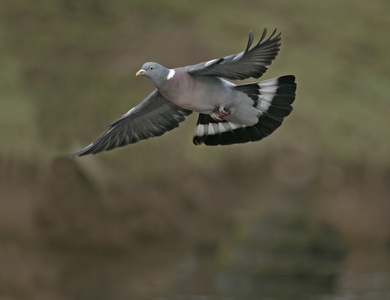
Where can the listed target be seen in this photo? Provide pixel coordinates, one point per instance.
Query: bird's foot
(223, 112)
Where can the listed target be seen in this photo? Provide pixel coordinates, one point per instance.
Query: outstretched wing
(252, 62)
(154, 116)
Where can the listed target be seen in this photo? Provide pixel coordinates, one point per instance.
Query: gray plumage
(228, 113)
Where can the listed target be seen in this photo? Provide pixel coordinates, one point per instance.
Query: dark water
(273, 257)
(77, 244)
(290, 257)
(284, 257)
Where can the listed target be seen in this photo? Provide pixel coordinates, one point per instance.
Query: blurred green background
(304, 214)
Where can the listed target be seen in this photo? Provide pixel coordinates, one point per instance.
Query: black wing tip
(263, 35)
(74, 154)
(250, 40)
(271, 36)
(85, 151)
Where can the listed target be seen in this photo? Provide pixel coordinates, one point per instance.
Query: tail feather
(272, 98)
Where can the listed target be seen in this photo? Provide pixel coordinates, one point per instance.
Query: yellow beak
(140, 72)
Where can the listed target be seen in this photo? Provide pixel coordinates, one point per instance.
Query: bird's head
(156, 72)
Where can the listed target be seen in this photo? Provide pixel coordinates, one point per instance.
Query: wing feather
(154, 116)
(252, 62)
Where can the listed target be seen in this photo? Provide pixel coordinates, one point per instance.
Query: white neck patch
(171, 73)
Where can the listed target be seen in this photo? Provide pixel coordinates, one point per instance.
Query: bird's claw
(223, 112)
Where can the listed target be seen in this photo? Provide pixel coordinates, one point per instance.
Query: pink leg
(216, 117)
(223, 112)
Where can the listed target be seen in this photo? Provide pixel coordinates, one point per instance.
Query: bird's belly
(195, 102)
(196, 95)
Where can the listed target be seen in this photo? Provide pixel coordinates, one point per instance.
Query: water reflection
(283, 257)
(277, 257)
(85, 245)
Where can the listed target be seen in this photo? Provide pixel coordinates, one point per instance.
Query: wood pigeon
(228, 113)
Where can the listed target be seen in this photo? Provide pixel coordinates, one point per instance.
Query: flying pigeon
(228, 113)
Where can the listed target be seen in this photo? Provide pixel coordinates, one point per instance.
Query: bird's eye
(152, 68)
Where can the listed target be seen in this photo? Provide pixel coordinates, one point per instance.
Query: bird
(229, 113)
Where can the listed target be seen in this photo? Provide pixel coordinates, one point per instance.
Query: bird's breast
(195, 93)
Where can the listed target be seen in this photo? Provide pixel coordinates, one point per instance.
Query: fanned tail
(272, 98)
